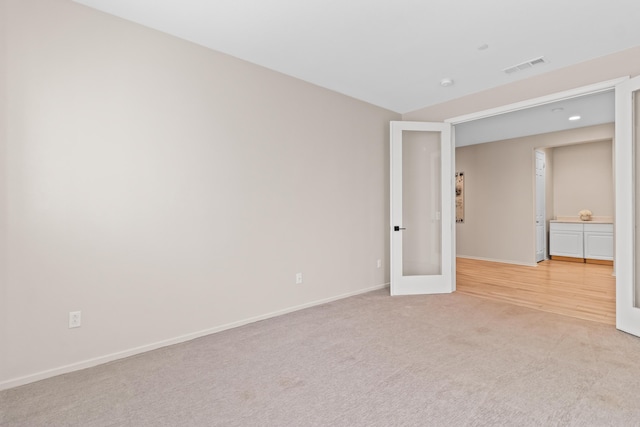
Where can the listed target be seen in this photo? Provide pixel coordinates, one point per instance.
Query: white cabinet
(578, 240)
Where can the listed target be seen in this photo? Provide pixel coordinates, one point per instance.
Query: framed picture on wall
(459, 197)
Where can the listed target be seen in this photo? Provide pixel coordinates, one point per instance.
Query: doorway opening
(502, 225)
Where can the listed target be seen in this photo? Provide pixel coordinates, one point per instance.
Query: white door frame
(624, 196)
(604, 86)
(548, 99)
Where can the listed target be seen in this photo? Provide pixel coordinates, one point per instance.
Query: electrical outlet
(379, 263)
(75, 319)
(298, 278)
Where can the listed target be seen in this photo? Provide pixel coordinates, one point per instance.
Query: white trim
(547, 99)
(88, 363)
(501, 261)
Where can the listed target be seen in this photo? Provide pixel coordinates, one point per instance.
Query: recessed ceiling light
(574, 118)
(557, 110)
(446, 82)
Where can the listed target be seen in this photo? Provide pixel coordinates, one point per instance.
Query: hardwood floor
(585, 291)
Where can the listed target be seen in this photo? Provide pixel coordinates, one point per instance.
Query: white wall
(167, 190)
(583, 179)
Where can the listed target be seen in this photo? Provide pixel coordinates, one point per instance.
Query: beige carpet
(370, 360)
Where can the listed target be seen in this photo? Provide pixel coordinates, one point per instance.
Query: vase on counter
(585, 215)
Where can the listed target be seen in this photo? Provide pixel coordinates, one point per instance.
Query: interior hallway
(584, 291)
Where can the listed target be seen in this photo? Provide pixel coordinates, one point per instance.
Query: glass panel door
(627, 181)
(422, 258)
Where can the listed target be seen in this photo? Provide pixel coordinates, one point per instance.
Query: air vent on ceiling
(525, 65)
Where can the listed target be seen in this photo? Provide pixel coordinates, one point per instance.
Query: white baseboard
(15, 382)
(503, 261)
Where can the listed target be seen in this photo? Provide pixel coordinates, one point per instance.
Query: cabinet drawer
(601, 228)
(565, 226)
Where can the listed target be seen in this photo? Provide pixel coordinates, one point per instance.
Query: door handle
(398, 228)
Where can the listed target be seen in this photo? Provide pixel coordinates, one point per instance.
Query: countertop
(575, 219)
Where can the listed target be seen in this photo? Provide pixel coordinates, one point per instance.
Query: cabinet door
(566, 240)
(598, 241)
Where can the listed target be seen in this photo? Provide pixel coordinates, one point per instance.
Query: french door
(627, 181)
(422, 234)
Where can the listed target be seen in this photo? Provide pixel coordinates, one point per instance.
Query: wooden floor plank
(585, 291)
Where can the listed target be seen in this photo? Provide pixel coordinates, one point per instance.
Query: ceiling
(394, 54)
